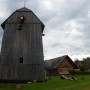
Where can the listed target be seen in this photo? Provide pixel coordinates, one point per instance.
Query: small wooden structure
(60, 65)
(78, 63)
(22, 50)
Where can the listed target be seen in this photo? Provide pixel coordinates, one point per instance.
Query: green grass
(53, 84)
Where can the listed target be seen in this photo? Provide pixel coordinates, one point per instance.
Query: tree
(86, 62)
(82, 69)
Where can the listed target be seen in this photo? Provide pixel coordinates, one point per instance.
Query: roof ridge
(23, 9)
(57, 57)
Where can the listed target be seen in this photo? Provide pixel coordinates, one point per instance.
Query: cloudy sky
(67, 25)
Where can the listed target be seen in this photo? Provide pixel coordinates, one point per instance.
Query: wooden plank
(25, 43)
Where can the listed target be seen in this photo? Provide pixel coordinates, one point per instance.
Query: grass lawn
(53, 84)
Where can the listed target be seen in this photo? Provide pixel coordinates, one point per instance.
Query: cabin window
(21, 59)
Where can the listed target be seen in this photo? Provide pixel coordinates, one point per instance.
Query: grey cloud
(57, 41)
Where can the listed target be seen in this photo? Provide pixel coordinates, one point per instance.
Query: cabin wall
(64, 66)
(51, 72)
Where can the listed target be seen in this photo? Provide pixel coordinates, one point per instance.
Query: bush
(78, 72)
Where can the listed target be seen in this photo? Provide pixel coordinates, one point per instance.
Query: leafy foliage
(82, 68)
(86, 59)
(86, 62)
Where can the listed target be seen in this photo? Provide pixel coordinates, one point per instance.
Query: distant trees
(86, 62)
(82, 70)
(86, 59)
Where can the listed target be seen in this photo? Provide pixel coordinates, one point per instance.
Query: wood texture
(62, 65)
(26, 44)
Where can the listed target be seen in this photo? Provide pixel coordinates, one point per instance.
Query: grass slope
(53, 84)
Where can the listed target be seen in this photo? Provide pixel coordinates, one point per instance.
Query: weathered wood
(25, 45)
(60, 65)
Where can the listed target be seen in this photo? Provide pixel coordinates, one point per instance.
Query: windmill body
(22, 50)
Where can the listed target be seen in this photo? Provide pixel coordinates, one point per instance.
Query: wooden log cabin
(59, 66)
(22, 57)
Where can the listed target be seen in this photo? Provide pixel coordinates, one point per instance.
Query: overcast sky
(67, 25)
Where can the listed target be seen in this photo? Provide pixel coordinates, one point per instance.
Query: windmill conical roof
(24, 9)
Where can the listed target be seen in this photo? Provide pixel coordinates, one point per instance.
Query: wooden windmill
(22, 50)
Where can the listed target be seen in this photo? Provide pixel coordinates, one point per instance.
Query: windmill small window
(20, 27)
(21, 60)
(21, 21)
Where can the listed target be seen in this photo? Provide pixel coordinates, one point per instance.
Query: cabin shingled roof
(52, 63)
